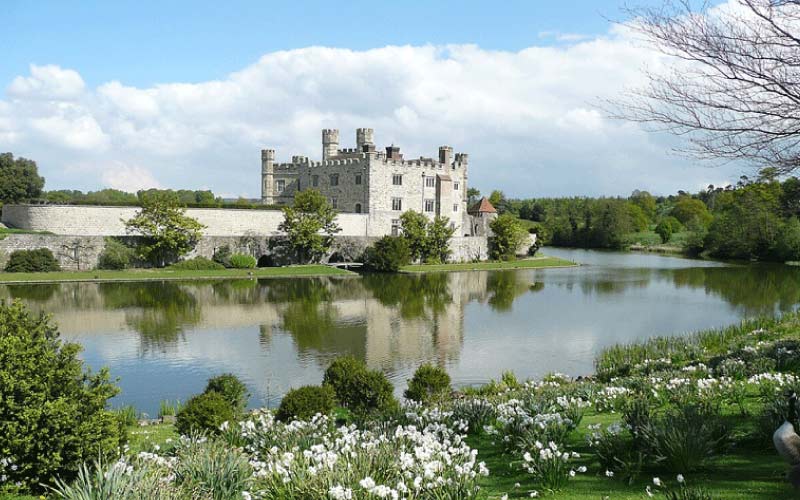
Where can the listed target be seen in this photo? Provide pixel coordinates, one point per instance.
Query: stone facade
(363, 180)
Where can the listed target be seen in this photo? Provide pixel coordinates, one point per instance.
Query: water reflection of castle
(389, 321)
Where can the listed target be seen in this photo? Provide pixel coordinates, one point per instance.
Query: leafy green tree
(388, 255)
(664, 230)
(645, 201)
(639, 220)
(19, 179)
(167, 233)
(438, 241)
(498, 200)
(688, 208)
(310, 225)
(53, 414)
(415, 231)
(509, 235)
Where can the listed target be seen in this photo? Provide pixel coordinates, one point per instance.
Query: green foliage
(473, 195)
(128, 416)
(358, 388)
(204, 413)
(231, 388)
(310, 225)
(222, 255)
(212, 470)
(429, 383)
(242, 261)
(197, 264)
(53, 413)
(305, 402)
(415, 232)
(645, 201)
(19, 179)
(116, 255)
(40, 260)
(664, 231)
(165, 231)
(498, 199)
(509, 235)
(388, 254)
(438, 241)
(168, 408)
(687, 209)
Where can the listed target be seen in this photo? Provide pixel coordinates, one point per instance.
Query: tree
(498, 200)
(167, 232)
(509, 235)
(438, 242)
(19, 179)
(664, 230)
(415, 231)
(53, 413)
(310, 225)
(473, 195)
(645, 201)
(388, 254)
(734, 89)
(687, 209)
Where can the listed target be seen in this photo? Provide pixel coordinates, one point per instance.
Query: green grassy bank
(172, 274)
(531, 263)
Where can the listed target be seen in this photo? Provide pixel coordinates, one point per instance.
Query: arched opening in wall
(358, 208)
(266, 261)
(336, 258)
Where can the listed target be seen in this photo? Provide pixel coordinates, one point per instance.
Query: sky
(184, 94)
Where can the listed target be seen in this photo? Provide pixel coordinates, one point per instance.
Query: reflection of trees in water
(160, 312)
(616, 283)
(758, 289)
(35, 293)
(412, 295)
(503, 288)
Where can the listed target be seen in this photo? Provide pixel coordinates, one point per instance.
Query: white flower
(367, 483)
(657, 481)
(680, 478)
(609, 473)
(649, 492)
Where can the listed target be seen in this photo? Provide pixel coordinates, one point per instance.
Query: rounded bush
(197, 264)
(305, 402)
(204, 413)
(115, 255)
(357, 387)
(388, 255)
(40, 260)
(231, 388)
(428, 383)
(53, 413)
(242, 261)
(222, 255)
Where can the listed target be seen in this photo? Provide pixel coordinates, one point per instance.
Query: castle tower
(267, 172)
(364, 137)
(445, 154)
(330, 143)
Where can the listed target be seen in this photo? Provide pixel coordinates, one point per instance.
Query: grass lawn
(531, 263)
(172, 274)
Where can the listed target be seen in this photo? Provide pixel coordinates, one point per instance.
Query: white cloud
(526, 118)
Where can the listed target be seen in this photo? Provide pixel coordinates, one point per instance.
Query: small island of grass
(529, 263)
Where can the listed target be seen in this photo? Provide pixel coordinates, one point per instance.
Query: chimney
(363, 138)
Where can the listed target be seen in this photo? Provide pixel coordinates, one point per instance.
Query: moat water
(164, 339)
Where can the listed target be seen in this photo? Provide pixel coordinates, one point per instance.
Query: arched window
(358, 208)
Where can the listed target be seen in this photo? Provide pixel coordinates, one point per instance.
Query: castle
(380, 183)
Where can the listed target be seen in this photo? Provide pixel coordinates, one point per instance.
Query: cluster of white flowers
(773, 379)
(399, 462)
(606, 398)
(7, 465)
(648, 363)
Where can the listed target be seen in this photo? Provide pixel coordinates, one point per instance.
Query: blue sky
(185, 94)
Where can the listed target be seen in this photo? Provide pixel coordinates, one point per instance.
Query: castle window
(455, 186)
(429, 205)
(397, 179)
(358, 208)
(430, 182)
(280, 185)
(455, 207)
(395, 227)
(358, 179)
(315, 180)
(334, 203)
(334, 179)
(397, 204)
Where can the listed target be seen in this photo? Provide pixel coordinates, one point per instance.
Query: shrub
(210, 469)
(204, 413)
(231, 388)
(242, 261)
(664, 230)
(116, 255)
(509, 235)
(197, 264)
(127, 415)
(222, 255)
(40, 260)
(388, 255)
(684, 438)
(305, 402)
(53, 413)
(358, 388)
(429, 383)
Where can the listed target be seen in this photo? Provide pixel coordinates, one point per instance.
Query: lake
(164, 339)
